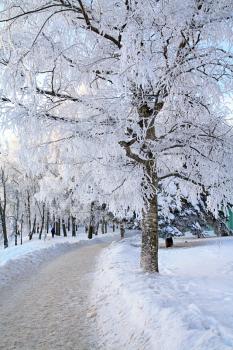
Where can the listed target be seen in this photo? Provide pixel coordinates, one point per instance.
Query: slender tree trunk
(122, 230)
(102, 226)
(4, 231)
(58, 227)
(42, 221)
(29, 212)
(64, 228)
(47, 222)
(21, 230)
(149, 251)
(73, 226)
(68, 224)
(113, 227)
(54, 221)
(4, 228)
(91, 229)
(97, 228)
(33, 229)
(16, 219)
(3, 209)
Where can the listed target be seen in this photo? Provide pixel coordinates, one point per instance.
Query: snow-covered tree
(136, 90)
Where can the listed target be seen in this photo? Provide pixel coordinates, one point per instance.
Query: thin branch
(96, 30)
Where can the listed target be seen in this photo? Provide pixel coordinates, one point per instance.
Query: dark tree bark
(4, 231)
(91, 229)
(47, 221)
(16, 219)
(3, 202)
(58, 227)
(97, 228)
(42, 220)
(64, 228)
(102, 226)
(122, 230)
(21, 230)
(68, 224)
(73, 226)
(29, 212)
(31, 233)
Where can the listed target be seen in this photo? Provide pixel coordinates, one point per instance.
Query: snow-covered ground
(15, 261)
(188, 306)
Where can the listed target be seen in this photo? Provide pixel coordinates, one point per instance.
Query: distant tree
(3, 204)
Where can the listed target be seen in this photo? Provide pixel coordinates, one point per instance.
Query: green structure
(230, 219)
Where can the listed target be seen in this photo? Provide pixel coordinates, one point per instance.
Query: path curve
(51, 310)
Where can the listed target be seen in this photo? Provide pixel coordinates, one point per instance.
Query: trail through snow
(51, 309)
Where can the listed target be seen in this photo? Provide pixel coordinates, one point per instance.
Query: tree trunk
(147, 160)
(5, 238)
(42, 223)
(73, 226)
(16, 219)
(31, 233)
(58, 227)
(122, 230)
(97, 228)
(4, 229)
(3, 209)
(47, 222)
(149, 251)
(54, 222)
(21, 230)
(68, 225)
(29, 212)
(91, 229)
(64, 228)
(113, 227)
(102, 226)
(105, 227)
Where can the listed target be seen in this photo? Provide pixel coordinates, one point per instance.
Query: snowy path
(50, 310)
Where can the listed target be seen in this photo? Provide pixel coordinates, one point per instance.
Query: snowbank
(189, 305)
(18, 261)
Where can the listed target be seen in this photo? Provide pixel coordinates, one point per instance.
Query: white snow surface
(188, 305)
(16, 261)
